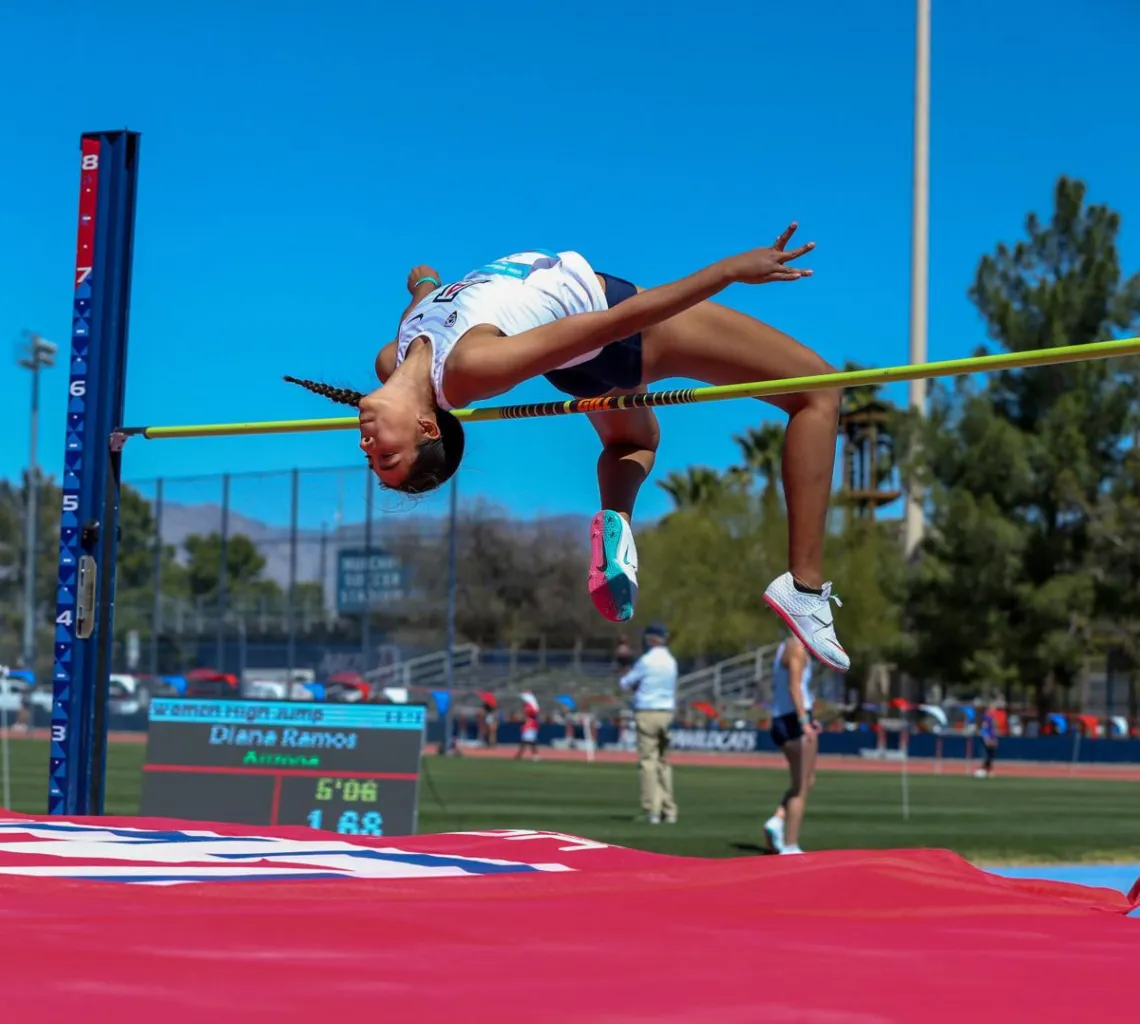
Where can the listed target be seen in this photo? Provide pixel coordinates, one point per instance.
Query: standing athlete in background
(989, 736)
(795, 732)
(550, 314)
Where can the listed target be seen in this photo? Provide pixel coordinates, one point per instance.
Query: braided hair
(342, 396)
(437, 458)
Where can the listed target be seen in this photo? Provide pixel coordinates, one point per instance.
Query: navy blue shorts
(787, 728)
(618, 365)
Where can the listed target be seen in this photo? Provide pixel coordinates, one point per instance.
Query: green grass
(989, 821)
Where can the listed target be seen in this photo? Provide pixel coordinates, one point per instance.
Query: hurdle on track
(95, 440)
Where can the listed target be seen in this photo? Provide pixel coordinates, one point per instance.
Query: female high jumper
(796, 733)
(550, 314)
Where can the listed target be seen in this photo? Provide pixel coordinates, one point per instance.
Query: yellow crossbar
(689, 396)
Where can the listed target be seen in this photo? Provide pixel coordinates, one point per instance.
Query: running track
(827, 762)
(842, 763)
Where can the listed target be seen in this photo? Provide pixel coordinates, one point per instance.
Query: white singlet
(781, 690)
(514, 294)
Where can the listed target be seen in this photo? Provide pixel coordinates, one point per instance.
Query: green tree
(703, 570)
(518, 581)
(1006, 587)
(309, 598)
(698, 485)
(763, 449)
(135, 566)
(13, 552)
(866, 562)
(244, 565)
(11, 570)
(1114, 529)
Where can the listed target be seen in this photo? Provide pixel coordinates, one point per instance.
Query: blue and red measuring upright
(76, 439)
(89, 504)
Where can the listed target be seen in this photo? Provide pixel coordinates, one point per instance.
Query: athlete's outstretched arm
(422, 281)
(488, 366)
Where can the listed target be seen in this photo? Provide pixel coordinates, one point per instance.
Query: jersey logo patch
(448, 292)
(451, 318)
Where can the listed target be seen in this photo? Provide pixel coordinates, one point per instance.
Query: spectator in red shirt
(528, 740)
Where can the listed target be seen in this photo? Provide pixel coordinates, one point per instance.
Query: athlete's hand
(760, 266)
(417, 274)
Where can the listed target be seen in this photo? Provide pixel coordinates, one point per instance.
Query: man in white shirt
(653, 682)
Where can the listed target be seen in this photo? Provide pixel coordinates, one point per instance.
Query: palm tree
(738, 479)
(862, 397)
(762, 448)
(696, 486)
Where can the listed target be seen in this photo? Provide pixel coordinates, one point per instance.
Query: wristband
(424, 280)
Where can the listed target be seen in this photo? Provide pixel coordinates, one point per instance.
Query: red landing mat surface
(114, 919)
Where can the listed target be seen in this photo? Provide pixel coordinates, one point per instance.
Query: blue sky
(296, 164)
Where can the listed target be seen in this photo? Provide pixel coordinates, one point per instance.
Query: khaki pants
(656, 773)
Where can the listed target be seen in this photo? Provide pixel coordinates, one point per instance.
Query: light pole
(920, 245)
(34, 354)
(453, 522)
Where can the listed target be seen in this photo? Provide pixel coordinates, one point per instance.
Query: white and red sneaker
(809, 617)
(613, 566)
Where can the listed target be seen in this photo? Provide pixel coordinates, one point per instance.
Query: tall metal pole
(223, 577)
(323, 570)
(31, 524)
(453, 520)
(920, 245)
(89, 503)
(5, 752)
(39, 353)
(366, 615)
(156, 581)
(291, 598)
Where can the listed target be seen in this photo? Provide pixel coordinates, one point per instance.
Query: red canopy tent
(209, 682)
(351, 681)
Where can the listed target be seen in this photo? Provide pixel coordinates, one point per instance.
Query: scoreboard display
(349, 768)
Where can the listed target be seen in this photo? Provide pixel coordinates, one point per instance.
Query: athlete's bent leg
(796, 796)
(629, 441)
(717, 345)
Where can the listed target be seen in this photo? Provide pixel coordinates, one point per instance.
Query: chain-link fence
(323, 572)
(277, 585)
(285, 571)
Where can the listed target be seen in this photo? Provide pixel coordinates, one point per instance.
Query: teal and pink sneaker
(613, 566)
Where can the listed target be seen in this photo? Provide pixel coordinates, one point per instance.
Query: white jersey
(514, 294)
(781, 689)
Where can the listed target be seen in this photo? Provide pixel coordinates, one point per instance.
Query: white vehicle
(124, 695)
(11, 698)
(263, 689)
(275, 689)
(41, 697)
